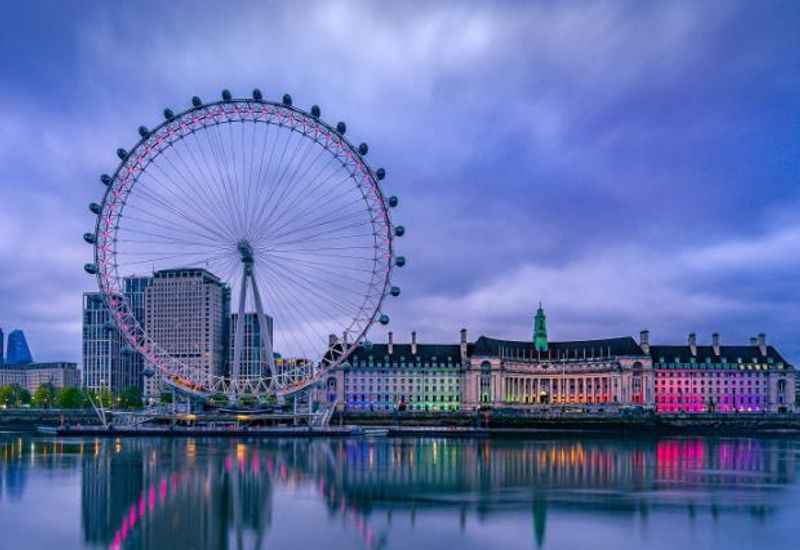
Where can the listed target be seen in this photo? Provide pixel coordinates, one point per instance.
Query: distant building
(717, 378)
(251, 362)
(109, 361)
(18, 351)
(102, 347)
(31, 376)
(186, 316)
(132, 361)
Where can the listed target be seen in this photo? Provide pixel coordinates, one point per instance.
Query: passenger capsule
(380, 173)
(91, 269)
(363, 149)
(315, 111)
(287, 100)
(95, 208)
(168, 114)
(226, 95)
(367, 345)
(197, 102)
(257, 95)
(148, 372)
(393, 201)
(122, 153)
(383, 319)
(395, 291)
(143, 131)
(341, 128)
(90, 238)
(399, 231)
(106, 179)
(400, 261)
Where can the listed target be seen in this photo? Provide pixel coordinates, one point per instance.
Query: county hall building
(603, 374)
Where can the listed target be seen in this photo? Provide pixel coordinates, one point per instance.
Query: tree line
(48, 396)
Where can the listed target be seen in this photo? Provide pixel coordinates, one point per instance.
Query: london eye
(279, 207)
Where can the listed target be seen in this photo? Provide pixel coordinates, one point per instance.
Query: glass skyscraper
(18, 351)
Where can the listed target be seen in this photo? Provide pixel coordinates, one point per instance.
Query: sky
(630, 164)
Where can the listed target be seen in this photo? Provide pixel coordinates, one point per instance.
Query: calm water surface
(670, 493)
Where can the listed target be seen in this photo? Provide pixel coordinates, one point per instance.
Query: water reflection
(196, 493)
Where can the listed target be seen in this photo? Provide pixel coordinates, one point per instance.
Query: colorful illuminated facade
(595, 375)
(716, 378)
(390, 377)
(507, 373)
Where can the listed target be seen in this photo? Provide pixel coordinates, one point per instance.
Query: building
(389, 377)
(251, 364)
(2, 349)
(18, 351)
(601, 374)
(186, 316)
(716, 378)
(31, 376)
(133, 362)
(109, 362)
(102, 347)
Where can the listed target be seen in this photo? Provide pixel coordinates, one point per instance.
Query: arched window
(486, 382)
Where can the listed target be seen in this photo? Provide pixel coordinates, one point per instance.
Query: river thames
(654, 493)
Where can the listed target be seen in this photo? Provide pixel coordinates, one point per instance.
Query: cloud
(630, 164)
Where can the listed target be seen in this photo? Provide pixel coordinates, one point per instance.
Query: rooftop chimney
(715, 343)
(413, 342)
(463, 344)
(331, 340)
(391, 343)
(644, 341)
(693, 343)
(762, 344)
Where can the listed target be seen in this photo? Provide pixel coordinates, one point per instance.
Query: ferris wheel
(276, 208)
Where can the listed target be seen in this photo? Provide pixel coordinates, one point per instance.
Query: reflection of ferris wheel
(278, 208)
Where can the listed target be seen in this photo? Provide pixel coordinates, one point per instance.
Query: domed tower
(540, 330)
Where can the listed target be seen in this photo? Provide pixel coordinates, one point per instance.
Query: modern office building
(102, 347)
(186, 315)
(31, 376)
(251, 364)
(18, 351)
(109, 362)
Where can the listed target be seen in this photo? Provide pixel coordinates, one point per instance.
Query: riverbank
(462, 424)
(504, 423)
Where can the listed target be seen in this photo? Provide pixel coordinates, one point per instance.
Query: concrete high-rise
(186, 313)
(18, 351)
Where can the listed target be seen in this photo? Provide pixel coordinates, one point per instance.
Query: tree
(45, 396)
(105, 398)
(71, 398)
(23, 396)
(6, 396)
(131, 398)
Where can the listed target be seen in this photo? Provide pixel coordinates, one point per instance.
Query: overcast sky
(631, 165)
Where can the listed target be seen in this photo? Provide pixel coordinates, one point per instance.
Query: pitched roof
(602, 347)
(730, 354)
(425, 352)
